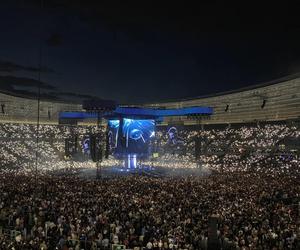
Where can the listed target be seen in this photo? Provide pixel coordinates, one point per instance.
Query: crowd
(255, 210)
(226, 149)
(223, 148)
(18, 146)
(251, 190)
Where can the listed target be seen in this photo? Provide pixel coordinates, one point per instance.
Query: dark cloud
(70, 94)
(27, 87)
(32, 94)
(7, 66)
(14, 82)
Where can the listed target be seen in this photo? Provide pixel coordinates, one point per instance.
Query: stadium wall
(281, 102)
(25, 110)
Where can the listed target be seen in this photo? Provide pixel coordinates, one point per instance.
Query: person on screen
(173, 136)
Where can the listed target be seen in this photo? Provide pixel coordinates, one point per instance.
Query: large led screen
(133, 137)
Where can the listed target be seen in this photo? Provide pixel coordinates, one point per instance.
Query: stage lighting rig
(99, 105)
(198, 117)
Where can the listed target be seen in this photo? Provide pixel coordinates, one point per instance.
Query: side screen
(175, 140)
(113, 130)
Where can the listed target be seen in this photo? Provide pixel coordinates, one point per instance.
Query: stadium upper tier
(272, 101)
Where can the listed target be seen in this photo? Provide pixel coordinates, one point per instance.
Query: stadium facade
(273, 101)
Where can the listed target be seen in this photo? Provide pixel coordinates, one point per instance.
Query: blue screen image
(113, 126)
(132, 138)
(138, 129)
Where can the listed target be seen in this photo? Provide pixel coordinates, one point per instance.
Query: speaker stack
(96, 148)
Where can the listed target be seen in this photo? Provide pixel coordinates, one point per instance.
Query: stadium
(144, 126)
(251, 136)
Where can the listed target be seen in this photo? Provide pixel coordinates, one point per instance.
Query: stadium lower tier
(249, 182)
(225, 149)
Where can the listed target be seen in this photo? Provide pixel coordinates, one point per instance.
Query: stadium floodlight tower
(100, 108)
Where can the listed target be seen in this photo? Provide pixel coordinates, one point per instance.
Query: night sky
(142, 52)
